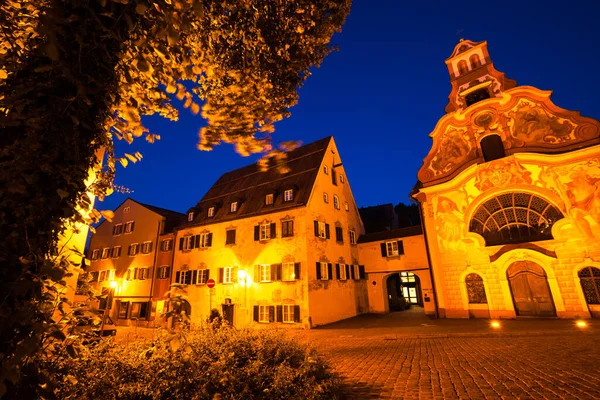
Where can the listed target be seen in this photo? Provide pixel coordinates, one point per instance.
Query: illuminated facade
(132, 255)
(510, 197)
(282, 248)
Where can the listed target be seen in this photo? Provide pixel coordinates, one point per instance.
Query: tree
(408, 215)
(75, 74)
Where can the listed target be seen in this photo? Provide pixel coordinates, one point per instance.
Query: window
(475, 62)
(143, 273)
(146, 247)
(392, 248)
(265, 273)
(341, 178)
(230, 236)
(492, 148)
(123, 307)
(164, 272)
(95, 276)
(288, 195)
(126, 210)
(336, 202)
(289, 271)
(462, 67)
(202, 276)
(204, 240)
(129, 226)
(166, 245)
(185, 277)
(269, 199)
(341, 272)
(324, 271)
(139, 310)
(265, 231)
(477, 96)
(128, 275)
(339, 235)
(190, 216)
(234, 207)
(287, 228)
(325, 170)
(133, 249)
(325, 197)
(188, 243)
(475, 289)
(357, 274)
(105, 252)
(95, 254)
(211, 211)
(346, 206)
(228, 275)
(407, 277)
(116, 252)
(352, 237)
(589, 277)
(117, 229)
(322, 230)
(288, 313)
(102, 276)
(264, 314)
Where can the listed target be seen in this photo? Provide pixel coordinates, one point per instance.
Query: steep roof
(172, 218)
(249, 186)
(393, 234)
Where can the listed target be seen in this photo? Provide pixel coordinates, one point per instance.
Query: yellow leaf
(108, 214)
(3, 74)
(141, 9)
(171, 88)
(123, 162)
(195, 108)
(131, 158)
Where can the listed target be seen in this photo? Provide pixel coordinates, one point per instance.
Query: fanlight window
(590, 284)
(515, 218)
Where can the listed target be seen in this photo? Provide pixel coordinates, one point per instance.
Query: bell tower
(473, 76)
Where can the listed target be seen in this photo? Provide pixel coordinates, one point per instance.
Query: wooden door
(530, 290)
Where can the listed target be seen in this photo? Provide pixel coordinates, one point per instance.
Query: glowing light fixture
(113, 284)
(495, 324)
(581, 323)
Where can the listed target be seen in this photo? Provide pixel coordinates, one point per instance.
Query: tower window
(477, 96)
(475, 61)
(462, 67)
(492, 148)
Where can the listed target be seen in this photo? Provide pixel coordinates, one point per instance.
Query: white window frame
(269, 199)
(146, 246)
(105, 253)
(233, 207)
(203, 240)
(322, 231)
(188, 243)
(162, 272)
(288, 195)
(324, 271)
(325, 170)
(228, 275)
(336, 202)
(183, 277)
(341, 178)
(202, 276)
(264, 272)
(325, 197)
(128, 275)
(102, 276)
(190, 216)
(166, 245)
(288, 271)
(128, 227)
(95, 254)
(264, 314)
(352, 237)
(343, 276)
(211, 211)
(287, 310)
(391, 248)
(356, 271)
(264, 231)
(137, 249)
(113, 252)
(116, 229)
(142, 273)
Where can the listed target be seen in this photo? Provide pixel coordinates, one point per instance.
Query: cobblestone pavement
(509, 367)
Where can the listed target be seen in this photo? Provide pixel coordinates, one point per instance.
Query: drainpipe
(154, 269)
(427, 250)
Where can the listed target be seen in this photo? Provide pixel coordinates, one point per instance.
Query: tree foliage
(75, 74)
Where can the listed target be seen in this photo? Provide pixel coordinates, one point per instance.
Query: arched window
(590, 284)
(514, 218)
(492, 147)
(475, 289)
(462, 67)
(475, 61)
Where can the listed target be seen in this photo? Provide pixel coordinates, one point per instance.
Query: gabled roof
(249, 186)
(393, 234)
(172, 218)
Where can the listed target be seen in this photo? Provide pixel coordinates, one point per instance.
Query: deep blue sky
(381, 95)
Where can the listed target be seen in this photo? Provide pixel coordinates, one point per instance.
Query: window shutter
(347, 271)
(317, 228)
(296, 313)
(132, 226)
(177, 276)
(333, 178)
(318, 270)
(351, 271)
(255, 314)
(256, 232)
(271, 313)
(150, 247)
(273, 272)
(209, 240)
(196, 243)
(329, 271)
(234, 274)
(207, 274)
(220, 275)
(400, 247)
(278, 268)
(180, 244)
(326, 231)
(337, 270)
(135, 273)
(129, 250)
(257, 273)
(339, 234)
(194, 277)
(297, 271)
(279, 314)
(361, 272)
(273, 230)
(383, 250)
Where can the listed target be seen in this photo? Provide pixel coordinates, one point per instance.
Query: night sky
(382, 94)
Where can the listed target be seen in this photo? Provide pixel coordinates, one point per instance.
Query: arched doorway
(530, 291)
(589, 278)
(403, 288)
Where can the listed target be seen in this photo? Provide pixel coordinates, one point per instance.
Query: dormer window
(234, 207)
(211, 212)
(288, 195)
(325, 170)
(462, 67)
(190, 216)
(269, 199)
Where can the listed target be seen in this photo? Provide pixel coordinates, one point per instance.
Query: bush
(203, 364)
(399, 304)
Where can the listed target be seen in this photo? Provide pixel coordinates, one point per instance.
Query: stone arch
(545, 262)
(463, 289)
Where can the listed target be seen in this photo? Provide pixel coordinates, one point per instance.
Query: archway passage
(589, 277)
(530, 291)
(403, 289)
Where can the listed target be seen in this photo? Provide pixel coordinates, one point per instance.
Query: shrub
(399, 304)
(203, 364)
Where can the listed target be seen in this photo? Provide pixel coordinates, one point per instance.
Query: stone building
(510, 198)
